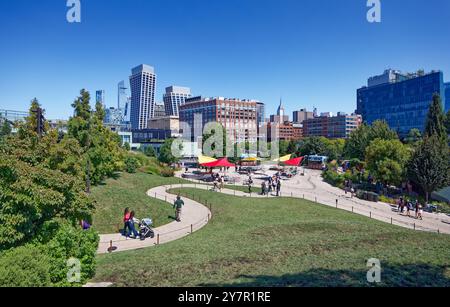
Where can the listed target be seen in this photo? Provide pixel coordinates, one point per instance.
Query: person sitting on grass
(178, 206)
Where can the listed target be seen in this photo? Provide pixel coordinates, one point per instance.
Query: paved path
(312, 187)
(194, 214)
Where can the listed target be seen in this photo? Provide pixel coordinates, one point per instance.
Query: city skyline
(246, 59)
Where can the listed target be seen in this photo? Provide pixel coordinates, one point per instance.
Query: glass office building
(447, 97)
(402, 100)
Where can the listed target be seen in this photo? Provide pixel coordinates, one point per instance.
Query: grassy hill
(129, 190)
(283, 242)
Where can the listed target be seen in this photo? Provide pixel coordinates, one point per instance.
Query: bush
(333, 178)
(167, 172)
(70, 242)
(131, 164)
(25, 266)
(369, 196)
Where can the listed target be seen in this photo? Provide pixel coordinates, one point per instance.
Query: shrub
(131, 164)
(167, 172)
(25, 266)
(70, 242)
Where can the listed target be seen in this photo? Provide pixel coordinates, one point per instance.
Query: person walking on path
(263, 188)
(131, 226)
(250, 183)
(278, 187)
(400, 205)
(126, 219)
(178, 206)
(409, 206)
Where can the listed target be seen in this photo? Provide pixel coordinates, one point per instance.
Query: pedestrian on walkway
(126, 219)
(409, 206)
(400, 205)
(131, 226)
(178, 206)
(263, 188)
(270, 185)
(278, 187)
(250, 183)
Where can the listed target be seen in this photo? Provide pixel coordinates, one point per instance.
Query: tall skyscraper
(260, 113)
(121, 95)
(174, 97)
(143, 85)
(281, 116)
(402, 100)
(100, 97)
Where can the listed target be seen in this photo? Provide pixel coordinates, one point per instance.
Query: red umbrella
(294, 162)
(219, 163)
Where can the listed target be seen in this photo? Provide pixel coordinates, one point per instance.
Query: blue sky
(312, 52)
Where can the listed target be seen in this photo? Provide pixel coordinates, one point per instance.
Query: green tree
(386, 159)
(356, 144)
(435, 123)
(414, 136)
(131, 164)
(32, 195)
(165, 154)
(149, 151)
(5, 129)
(447, 122)
(429, 166)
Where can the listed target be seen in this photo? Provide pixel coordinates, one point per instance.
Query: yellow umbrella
(283, 159)
(204, 159)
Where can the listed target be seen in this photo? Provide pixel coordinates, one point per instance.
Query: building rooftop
(143, 68)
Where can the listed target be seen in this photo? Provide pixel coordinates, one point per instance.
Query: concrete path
(194, 217)
(312, 187)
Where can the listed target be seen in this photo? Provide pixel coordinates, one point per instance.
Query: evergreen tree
(429, 166)
(435, 124)
(5, 129)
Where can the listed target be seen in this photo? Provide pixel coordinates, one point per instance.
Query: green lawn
(283, 242)
(129, 190)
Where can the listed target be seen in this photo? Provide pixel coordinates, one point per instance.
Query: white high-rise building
(174, 97)
(143, 86)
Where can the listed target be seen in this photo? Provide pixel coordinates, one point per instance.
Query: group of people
(273, 184)
(409, 206)
(349, 188)
(129, 220)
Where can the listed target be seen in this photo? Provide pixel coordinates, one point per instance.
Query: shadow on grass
(409, 275)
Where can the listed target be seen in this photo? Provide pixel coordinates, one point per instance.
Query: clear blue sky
(312, 53)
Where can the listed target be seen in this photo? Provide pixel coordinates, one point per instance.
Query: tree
(386, 159)
(165, 154)
(356, 144)
(435, 123)
(380, 130)
(414, 136)
(429, 166)
(33, 195)
(149, 151)
(447, 122)
(311, 146)
(5, 129)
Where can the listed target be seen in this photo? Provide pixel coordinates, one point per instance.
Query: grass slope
(283, 242)
(129, 190)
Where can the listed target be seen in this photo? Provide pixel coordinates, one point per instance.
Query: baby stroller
(145, 230)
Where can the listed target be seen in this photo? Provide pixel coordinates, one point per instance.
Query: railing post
(414, 226)
(336, 203)
(192, 228)
(370, 214)
(157, 239)
(352, 209)
(110, 249)
(392, 221)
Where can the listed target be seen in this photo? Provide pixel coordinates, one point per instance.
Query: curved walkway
(312, 187)
(194, 217)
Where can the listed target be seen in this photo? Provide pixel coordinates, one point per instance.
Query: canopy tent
(294, 162)
(283, 159)
(219, 163)
(250, 159)
(205, 159)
